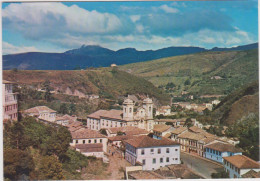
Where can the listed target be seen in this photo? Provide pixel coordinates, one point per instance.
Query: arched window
(130, 110)
(150, 109)
(125, 109)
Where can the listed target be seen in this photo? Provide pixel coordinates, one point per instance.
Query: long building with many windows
(152, 153)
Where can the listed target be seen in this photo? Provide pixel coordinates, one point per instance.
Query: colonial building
(127, 130)
(10, 106)
(238, 166)
(87, 136)
(173, 122)
(41, 112)
(164, 110)
(142, 118)
(152, 153)
(65, 119)
(217, 150)
(95, 149)
(160, 130)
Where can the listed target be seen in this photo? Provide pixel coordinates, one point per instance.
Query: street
(203, 167)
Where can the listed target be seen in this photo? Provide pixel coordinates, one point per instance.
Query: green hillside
(106, 82)
(234, 67)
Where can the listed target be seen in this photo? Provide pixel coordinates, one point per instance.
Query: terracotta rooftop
(196, 129)
(121, 137)
(223, 147)
(209, 140)
(251, 174)
(39, 109)
(8, 82)
(97, 147)
(168, 135)
(86, 133)
(183, 172)
(66, 117)
(146, 141)
(179, 130)
(242, 162)
(161, 127)
(191, 135)
(128, 130)
(144, 175)
(113, 114)
(167, 120)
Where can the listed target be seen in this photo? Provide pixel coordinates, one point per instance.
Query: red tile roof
(191, 135)
(223, 147)
(161, 127)
(128, 130)
(97, 147)
(179, 130)
(113, 114)
(121, 137)
(242, 162)
(146, 141)
(86, 133)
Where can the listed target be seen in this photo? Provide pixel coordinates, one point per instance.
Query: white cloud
(40, 19)
(11, 49)
(135, 18)
(168, 9)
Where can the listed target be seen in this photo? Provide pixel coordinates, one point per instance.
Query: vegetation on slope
(195, 73)
(107, 82)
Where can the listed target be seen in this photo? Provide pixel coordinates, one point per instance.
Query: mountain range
(97, 56)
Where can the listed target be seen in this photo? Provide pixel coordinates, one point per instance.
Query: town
(144, 141)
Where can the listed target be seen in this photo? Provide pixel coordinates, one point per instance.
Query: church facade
(141, 118)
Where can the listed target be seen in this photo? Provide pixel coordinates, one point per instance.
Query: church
(141, 118)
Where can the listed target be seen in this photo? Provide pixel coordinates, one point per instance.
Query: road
(203, 167)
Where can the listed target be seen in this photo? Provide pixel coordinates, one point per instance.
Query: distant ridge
(97, 56)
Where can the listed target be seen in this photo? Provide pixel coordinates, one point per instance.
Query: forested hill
(96, 56)
(106, 82)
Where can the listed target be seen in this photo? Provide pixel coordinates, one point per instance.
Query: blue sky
(57, 27)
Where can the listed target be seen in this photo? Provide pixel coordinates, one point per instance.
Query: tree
(221, 174)
(187, 82)
(16, 163)
(47, 88)
(64, 108)
(72, 108)
(50, 169)
(188, 122)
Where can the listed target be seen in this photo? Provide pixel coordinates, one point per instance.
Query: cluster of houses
(143, 141)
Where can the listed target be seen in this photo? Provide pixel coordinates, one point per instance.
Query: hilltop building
(10, 105)
(142, 118)
(164, 110)
(42, 113)
(152, 153)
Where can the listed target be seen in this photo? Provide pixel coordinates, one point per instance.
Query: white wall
(92, 141)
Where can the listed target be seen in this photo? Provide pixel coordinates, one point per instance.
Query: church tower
(128, 109)
(148, 106)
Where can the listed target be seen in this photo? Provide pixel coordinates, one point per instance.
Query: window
(167, 159)
(143, 161)
(167, 150)
(213, 151)
(161, 160)
(83, 141)
(89, 141)
(142, 152)
(176, 149)
(154, 160)
(95, 141)
(176, 158)
(159, 151)
(100, 140)
(130, 110)
(151, 150)
(76, 141)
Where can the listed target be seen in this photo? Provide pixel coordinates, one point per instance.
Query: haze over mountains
(96, 56)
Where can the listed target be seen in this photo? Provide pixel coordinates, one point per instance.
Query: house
(164, 110)
(160, 130)
(251, 174)
(95, 149)
(173, 122)
(117, 140)
(176, 132)
(65, 119)
(142, 118)
(217, 150)
(75, 126)
(87, 136)
(10, 105)
(152, 153)
(41, 112)
(127, 130)
(238, 166)
(189, 141)
(215, 102)
(203, 142)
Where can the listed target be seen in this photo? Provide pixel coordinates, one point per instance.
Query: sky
(58, 26)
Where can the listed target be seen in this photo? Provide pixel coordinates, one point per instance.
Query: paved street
(203, 167)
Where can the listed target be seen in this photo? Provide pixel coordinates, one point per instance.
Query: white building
(10, 105)
(152, 153)
(160, 130)
(87, 136)
(95, 149)
(215, 102)
(238, 165)
(217, 150)
(42, 113)
(142, 118)
(65, 119)
(164, 110)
